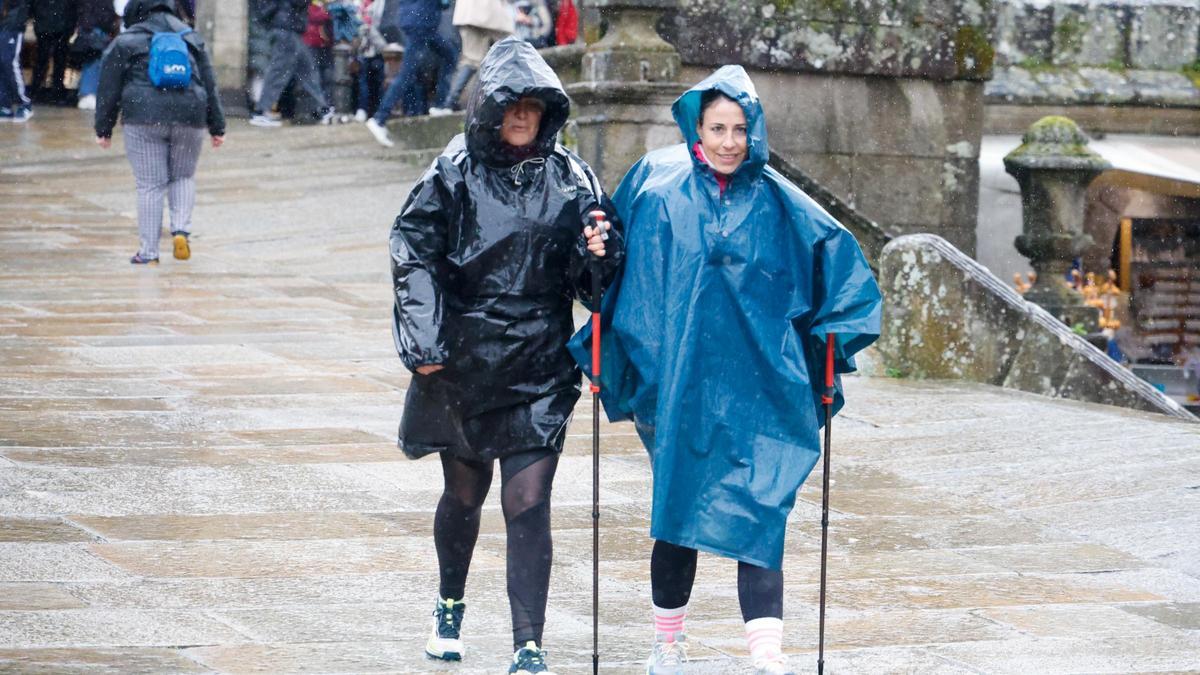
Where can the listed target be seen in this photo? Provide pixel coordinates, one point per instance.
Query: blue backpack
(170, 61)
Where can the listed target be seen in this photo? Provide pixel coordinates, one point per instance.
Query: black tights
(673, 571)
(525, 482)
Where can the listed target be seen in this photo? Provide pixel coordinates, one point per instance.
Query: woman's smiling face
(522, 121)
(723, 135)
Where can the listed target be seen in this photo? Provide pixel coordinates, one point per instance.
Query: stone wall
(225, 26)
(933, 39)
(948, 317)
(1116, 52)
(878, 101)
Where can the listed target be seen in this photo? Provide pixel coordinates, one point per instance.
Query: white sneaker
(445, 636)
(87, 102)
(380, 133)
(266, 121)
(360, 116)
(667, 657)
(440, 112)
(776, 665)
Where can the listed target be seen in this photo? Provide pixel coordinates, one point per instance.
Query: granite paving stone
(199, 470)
(100, 660)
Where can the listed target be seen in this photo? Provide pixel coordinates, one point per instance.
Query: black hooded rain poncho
(487, 256)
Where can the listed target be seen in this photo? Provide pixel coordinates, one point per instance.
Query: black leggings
(673, 571)
(525, 482)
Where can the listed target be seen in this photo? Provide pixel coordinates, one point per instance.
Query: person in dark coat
(15, 105)
(163, 128)
(488, 253)
(290, 58)
(97, 24)
(426, 49)
(53, 24)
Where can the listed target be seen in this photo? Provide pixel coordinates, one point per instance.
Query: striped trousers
(164, 162)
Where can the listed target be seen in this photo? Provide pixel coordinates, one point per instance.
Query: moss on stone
(1068, 34)
(1193, 73)
(973, 52)
(1052, 138)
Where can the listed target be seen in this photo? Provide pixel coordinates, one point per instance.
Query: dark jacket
(487, 255)
(54, 16)
(125, 86)
(96, 14)
(418, 16)
(289, 15)
(14, 14)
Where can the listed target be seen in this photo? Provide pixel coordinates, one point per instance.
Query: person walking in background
(97, 21)
(425, 49)
(371, 44)
(481, 23)
(290, 58)
(164, 122)
(53, 24)
(318, 38)
(15, 105)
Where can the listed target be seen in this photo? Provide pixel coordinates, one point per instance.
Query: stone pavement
(198, 470)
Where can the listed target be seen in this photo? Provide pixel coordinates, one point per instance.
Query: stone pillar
(343, 80)
(225, 26)
(1053, 167)
(623, 103)
(393, 57)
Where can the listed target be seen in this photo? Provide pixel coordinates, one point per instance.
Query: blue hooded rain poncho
(715, 334)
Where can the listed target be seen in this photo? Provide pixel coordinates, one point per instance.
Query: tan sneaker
(183, 250)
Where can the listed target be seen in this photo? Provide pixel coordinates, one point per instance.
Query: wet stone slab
(198, 468)
(100, 660)
(33, 530)
(98, 628)
(37, 596)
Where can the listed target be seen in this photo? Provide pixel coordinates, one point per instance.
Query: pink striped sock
(668, 622)
(765, 638)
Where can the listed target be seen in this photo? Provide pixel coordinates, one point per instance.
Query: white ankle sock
(765, 638)
(669, 621)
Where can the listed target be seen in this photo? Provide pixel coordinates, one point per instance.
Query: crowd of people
(442, 41)
(291, 45)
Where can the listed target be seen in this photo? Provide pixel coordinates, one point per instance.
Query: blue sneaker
(6, 114)
(22, 114)
(529, 660)
(445, 638)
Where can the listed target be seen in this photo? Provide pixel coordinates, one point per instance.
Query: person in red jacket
(318, 38)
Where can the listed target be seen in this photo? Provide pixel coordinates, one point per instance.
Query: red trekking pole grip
(827, 399)
(598, 223)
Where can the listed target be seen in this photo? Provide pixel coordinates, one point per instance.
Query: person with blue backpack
(158, 78)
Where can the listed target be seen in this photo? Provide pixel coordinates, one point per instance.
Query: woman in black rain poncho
(487, 254)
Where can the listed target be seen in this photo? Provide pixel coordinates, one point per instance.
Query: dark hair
(710, 97)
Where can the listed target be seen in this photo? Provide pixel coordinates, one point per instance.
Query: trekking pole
(598, 222)
(826, 399)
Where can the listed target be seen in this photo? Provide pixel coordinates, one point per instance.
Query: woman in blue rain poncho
(733, 278)
(488, 253)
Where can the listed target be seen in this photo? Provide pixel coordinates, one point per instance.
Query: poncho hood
(512, 70)
(734, 83)
(138, 11)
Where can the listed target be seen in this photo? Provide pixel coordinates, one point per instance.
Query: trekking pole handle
(599, 222)
(827, 399)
